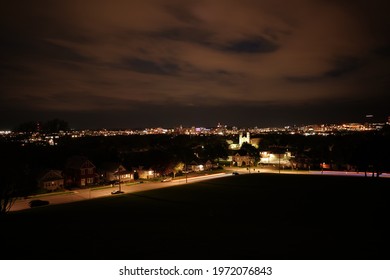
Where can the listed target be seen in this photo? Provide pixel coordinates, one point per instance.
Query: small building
(301, 161)
(51, 180)
(146, 173)
(208, 165)
(195, 166)
(276, 158)
(80, 172)
(243, 160)
(113, 171)
(201, 166)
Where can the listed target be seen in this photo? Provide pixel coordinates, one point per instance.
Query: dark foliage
(51, 126)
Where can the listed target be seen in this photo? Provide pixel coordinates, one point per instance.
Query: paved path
(303, 172)
(83, 194)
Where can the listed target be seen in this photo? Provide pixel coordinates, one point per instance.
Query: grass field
(257, 216)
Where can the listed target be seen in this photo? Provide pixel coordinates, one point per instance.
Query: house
(113, 171)
(195, 166)
(243, 160)
(301, 161)
(276, 158)
(51, 180)
(80, 172)
(208, 165)
(146, 173)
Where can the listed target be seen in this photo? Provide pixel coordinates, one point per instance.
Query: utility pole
(185, 167)
(118, 173)
(120, 189)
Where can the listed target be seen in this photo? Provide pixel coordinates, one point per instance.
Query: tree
(15, 178)
(215, 148)
(7, 197)
(177, 168)
(248, 149)
(55, 125)
(51, 126)
(8, 187)
(31, 126)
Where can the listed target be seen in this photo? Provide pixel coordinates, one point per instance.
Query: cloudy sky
(146, 63)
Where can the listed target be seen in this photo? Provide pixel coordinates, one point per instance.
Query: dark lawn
(258, 216)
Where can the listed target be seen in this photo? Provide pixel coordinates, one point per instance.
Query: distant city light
(40, 138)
(5, 132)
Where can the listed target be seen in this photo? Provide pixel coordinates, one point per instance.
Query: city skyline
(169, 63)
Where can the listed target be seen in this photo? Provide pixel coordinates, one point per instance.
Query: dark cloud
(344, 66)
(185, 34)
(182, 13)
(304, 79)
(28, 47)
(151, 67)
(252, 45)
(340, 67)
(202, 57)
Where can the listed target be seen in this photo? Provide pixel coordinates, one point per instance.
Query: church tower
(244, 139)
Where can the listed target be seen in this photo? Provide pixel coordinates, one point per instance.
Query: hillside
(257, 216)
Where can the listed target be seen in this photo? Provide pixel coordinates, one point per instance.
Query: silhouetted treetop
(51, 126)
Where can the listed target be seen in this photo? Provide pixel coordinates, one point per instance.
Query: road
(303, 172)
(84, 194)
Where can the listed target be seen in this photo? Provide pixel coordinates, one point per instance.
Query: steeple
(242, 139)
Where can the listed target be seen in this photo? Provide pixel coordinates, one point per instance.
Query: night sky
(127, 64)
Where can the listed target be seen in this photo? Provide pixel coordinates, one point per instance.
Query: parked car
(117, 192)
(38, 202)
(167, 179)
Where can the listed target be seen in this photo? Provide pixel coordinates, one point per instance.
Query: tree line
(50, 126)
